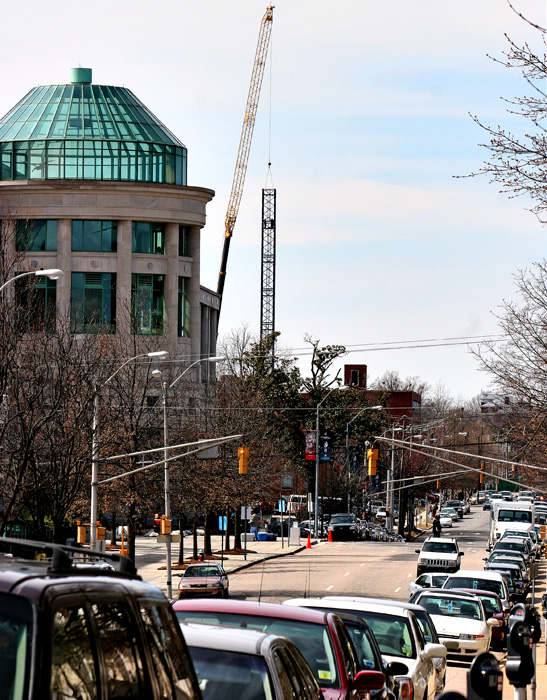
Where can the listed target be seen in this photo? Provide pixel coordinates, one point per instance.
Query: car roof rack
(66, 559)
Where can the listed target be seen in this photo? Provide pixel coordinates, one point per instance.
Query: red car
(321, 637)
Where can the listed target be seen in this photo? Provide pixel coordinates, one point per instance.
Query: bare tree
(518, 161)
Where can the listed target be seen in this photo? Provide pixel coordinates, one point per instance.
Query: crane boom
(245, 141)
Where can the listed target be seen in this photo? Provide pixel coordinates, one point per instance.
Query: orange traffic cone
(330, 536)
(308, 546)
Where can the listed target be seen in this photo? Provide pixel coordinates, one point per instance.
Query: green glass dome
(81, 131)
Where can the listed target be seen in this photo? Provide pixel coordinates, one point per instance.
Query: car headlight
(213, 585)
(471, 636)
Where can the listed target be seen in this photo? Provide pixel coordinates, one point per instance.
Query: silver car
(429, 580)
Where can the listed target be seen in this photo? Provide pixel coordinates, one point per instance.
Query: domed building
(97, 186)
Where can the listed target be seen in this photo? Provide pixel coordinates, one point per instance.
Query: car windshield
(312, 639)
(195, 571)
(513, 546)
(15, 645)
(444, 547)
(228, 674)
(515, 516)
(392, 633)
(451, 607)
(341, 519)
(483, 584)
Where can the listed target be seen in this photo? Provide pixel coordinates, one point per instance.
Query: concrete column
(123, 279)
(195, 306)
(64, 263)
(171, 288)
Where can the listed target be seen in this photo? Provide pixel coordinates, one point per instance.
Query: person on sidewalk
(437, 527)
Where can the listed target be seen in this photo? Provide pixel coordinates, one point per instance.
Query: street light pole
(95, 442)
(366, 408)
(316, 499)
(167, 498)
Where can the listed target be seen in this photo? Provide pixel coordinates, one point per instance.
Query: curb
(248, 565)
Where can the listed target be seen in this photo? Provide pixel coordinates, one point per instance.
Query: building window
(37, 300)
(148, 303)
(93, 307)
(148, 238)
(183, 325)
(95, 236)
(34, 236)
(184, 241)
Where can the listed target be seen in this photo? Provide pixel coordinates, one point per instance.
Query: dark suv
(69, 629)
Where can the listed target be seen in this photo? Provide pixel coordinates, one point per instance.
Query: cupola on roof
(82, 131)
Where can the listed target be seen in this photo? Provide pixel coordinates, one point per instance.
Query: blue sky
(369, 109)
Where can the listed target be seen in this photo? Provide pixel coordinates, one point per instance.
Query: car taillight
(406, 689)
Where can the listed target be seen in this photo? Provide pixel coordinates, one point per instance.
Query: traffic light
(514, 471)
(519, 667)
(485, 679)
(438, 484)
(482, 473)
(81, 533)
(243, 454)
(372, 457)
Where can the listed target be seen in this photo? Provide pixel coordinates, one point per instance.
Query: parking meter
(519, 667)
(485, 678)
(544, 605)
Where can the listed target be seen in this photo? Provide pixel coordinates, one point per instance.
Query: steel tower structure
(267, 288)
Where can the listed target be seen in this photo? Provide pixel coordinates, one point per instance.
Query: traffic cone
(308, 546)
(330, 536)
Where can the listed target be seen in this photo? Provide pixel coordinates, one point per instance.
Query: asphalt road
(360, 568)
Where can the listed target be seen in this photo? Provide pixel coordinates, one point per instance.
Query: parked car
(493, 607)
(429, 580)
(460, 621)
(309, 527)
(481, 580)
(487, 504)
(513, 575)
(424, 621)
(204, 579)
(242, 663)
(398, 634)
(439, 554)
(344, 526)
(104, 633)
(321, 637)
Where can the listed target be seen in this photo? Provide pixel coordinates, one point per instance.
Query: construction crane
(245, 142)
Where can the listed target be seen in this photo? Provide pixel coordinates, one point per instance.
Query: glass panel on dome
(37, 170)
(55, 160)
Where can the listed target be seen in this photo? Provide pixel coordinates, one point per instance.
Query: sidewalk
(151, 554)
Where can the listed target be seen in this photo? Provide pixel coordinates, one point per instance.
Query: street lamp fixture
(95, 437)
(53, 274)
(167, 500)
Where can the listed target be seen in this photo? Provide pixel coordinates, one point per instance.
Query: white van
(514, 515)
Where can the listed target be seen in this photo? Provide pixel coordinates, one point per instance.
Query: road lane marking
(397, 589)
(362, 564)
(347, 573)
(409, 575)
(328, 589)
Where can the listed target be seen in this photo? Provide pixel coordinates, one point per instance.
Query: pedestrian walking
(437, 527)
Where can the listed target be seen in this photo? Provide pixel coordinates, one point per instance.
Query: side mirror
(492, 622)
(434, 651)
(397, 668)
(417, 551)
(462, 553)
(368, 680)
